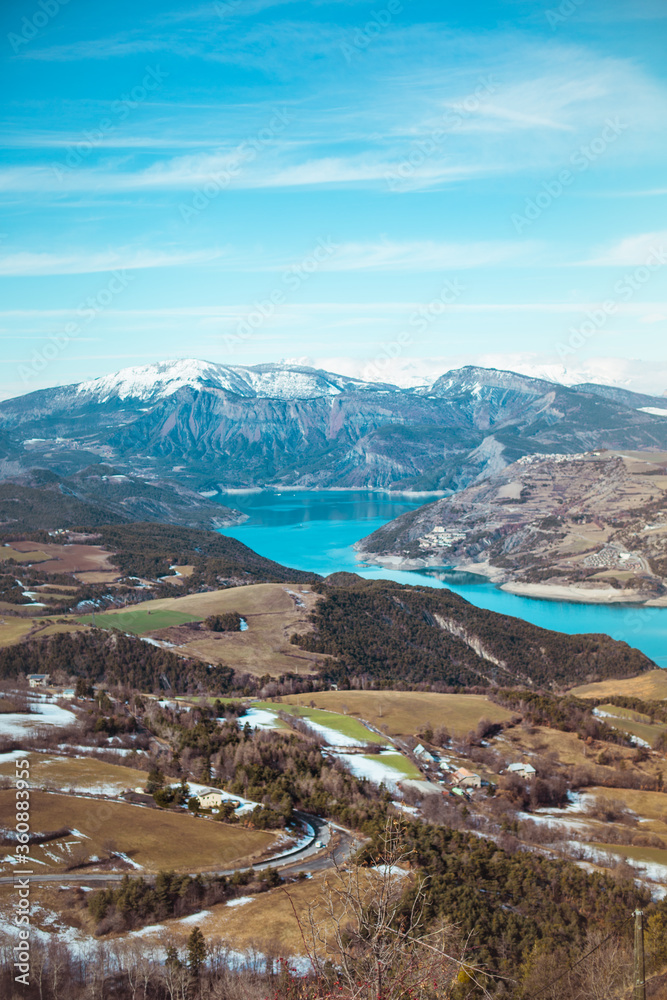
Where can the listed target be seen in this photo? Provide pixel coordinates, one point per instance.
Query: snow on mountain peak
(162, 379)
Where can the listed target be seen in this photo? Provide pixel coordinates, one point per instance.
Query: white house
(210, 799)
(523, 770)
(38, 680)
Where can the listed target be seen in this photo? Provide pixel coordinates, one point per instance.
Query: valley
(234, 738)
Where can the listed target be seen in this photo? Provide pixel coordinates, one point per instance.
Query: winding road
(309, 858)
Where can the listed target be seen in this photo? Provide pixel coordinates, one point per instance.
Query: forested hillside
(396, 634)
(149, 550)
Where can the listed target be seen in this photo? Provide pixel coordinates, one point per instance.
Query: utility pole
(640, 974)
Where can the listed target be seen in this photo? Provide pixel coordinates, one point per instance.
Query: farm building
(466, 779)
(523, 770)
(38, 680)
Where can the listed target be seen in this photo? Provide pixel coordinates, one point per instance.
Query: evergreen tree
(196, 951)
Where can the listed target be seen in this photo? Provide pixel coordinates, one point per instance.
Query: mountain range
(211, 426)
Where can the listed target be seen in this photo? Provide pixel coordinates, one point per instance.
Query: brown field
(82, 774)
(651, 805)
(69, 558)
(267, 921)
(21, 555)
(406, 712)
(153, 838)
(95, 576)
(272, 617)
(13, 629)
(651, 685)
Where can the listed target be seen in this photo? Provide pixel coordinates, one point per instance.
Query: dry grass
(13, 629)
(270, 922)
(272, 617)
(405, 713)
(29, 557)
(650, 805)
(83, 774)
(652, 684)
(153, 838)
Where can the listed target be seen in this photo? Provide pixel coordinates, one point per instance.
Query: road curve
(309, 858)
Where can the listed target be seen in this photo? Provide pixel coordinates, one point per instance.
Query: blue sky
(385, 189)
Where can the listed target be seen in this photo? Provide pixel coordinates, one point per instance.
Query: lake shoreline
(568, 593)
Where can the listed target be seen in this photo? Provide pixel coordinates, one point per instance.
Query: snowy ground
(259, 718)
(44, 713)
(373, 769)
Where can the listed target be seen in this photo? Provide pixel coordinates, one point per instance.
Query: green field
(398, 762)
(406, 713)
(343, 724)
(139, 622)
(641, 855)
(634, 723)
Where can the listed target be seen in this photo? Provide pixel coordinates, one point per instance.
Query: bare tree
(367, 924)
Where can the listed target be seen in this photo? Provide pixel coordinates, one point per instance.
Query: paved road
(339, 843)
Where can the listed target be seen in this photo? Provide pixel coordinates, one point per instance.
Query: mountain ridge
(212, 426)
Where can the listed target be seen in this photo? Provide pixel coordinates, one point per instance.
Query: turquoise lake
(315, 530)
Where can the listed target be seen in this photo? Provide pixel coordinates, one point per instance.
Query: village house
(38, 680)
(466, 779)
(523, 770)
(211, 798)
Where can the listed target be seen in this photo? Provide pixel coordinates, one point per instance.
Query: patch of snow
(373, 770)
(195, 918)
(240, 901)
(655, 411)
(43, 714)
(259, 718)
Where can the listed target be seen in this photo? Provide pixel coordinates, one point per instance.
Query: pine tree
(196, 951)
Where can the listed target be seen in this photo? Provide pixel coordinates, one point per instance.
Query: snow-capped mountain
(234, 426)
(162, 379)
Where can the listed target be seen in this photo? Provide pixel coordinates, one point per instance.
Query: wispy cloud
(424, 255)
(632, 251)
(29, 264)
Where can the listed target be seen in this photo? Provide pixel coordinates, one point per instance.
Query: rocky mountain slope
(212, 426)
(596, 522)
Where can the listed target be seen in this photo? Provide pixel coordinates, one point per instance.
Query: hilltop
(588, 527)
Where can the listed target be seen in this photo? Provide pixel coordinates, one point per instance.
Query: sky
(385, 189)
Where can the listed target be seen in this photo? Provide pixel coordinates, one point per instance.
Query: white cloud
(633, 251)
(26, 263)
(424, 255)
